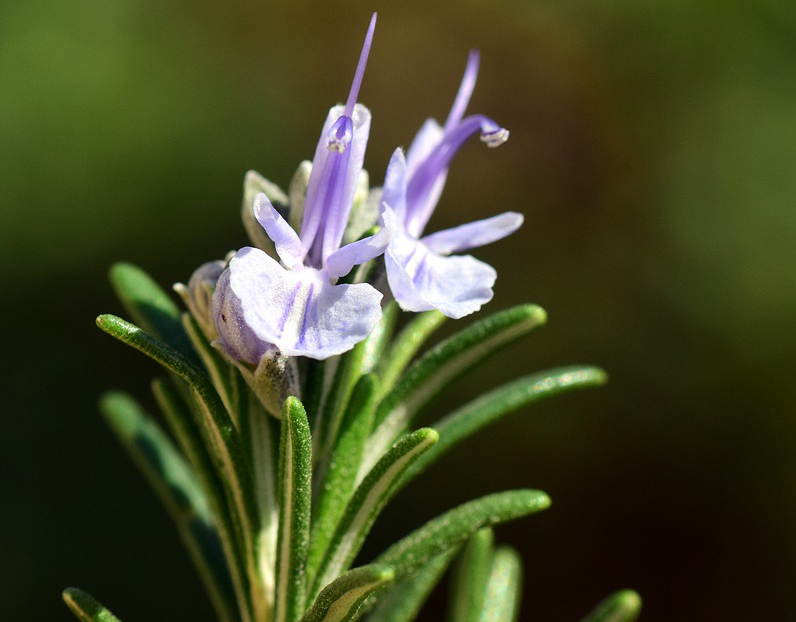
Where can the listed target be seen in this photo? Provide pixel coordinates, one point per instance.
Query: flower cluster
(274, 510)
(284, 297)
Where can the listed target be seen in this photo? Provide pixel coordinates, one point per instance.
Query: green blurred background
(652, 151)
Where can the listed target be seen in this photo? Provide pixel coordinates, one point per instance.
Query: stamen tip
(336, 145)
(340, 134)
(495, 138)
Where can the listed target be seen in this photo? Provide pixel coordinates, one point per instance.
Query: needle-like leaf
(180, 421)
(262, 447)
(85, 608)
(470, 576)
(340, 600)
(504, 587)
(403, 601)
(410, 554)
(369, 499)
(295, 472)
(177, 488)
(347, 373)
(484, 410)
(406, 345)
(150, 306)
(621, 606)
(440, 366)
(218, 433)
(221, 373)
(336, 489)
(377, 341)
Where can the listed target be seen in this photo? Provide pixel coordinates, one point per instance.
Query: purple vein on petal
(288, 308)
(308, 308)
(420, 270)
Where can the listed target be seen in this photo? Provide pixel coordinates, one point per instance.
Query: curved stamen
(496, 138)
(435, 166)
(465, 91)
(360, 72)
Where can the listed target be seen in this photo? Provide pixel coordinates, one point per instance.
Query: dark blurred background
(652, 147)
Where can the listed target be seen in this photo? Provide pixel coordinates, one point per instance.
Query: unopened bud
(198, 295)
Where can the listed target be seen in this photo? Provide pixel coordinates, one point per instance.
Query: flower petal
(288, 245)
(236, 338)
(473, 234)
(332, 185)
(422, 280)
(427, 138)
(340, 262)
(253, 185)
(393, 193)
(298, 310)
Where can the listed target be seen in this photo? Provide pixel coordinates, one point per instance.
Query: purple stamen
(465, 91)
(363, 61)
(436, 164)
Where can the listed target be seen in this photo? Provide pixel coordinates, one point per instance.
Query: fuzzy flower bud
(198, 295)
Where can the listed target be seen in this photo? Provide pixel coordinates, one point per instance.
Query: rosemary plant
(291, 395)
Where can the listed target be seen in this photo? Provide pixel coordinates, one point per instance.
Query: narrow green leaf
(154, 348)
(402, 602)
(218, 433)
(376, 343)
(154, 453)
(486, 409)
(405, 346)
(339, 377)
(340, 600)
(295, 473)
(346, 375)
(503, 588)
(368, 500)
(150, 306)
(318, 380)
(263, 451)
(181, 423)
(177, 488)
(470, 576)
(336, 489)
(410, 554)
(621, 606)
(221, 373)
(441, 365)
(218, 429)
(85, 608)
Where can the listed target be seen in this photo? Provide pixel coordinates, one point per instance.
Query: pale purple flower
(295, 307)
(421, 272)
